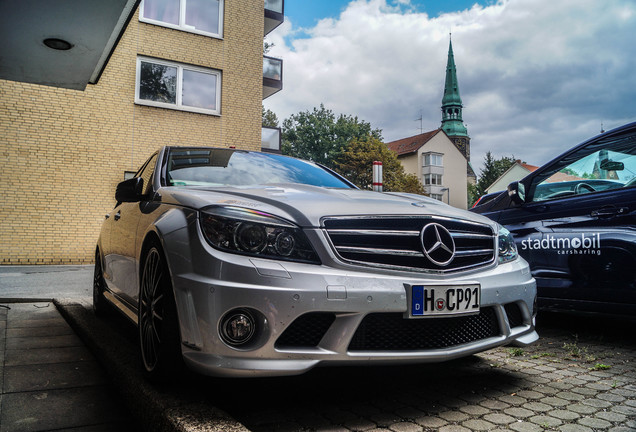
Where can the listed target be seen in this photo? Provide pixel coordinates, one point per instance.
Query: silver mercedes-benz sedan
(237, 263)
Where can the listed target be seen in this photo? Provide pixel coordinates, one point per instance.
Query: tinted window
(228, 167)
(600, 166)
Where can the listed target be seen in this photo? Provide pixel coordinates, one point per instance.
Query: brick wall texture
(64, 151)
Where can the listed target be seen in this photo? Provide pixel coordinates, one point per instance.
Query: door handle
(608, 212)
(118, 215)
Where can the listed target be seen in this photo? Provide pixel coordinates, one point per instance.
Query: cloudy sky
(535, 76)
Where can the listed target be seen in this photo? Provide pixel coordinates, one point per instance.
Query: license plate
(439, 300)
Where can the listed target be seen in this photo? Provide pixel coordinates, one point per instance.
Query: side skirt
(121, 306)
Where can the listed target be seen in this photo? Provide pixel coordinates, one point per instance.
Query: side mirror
(517, 192)
(130, 190)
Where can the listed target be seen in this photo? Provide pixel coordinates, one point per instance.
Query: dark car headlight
(254, 233)
(507, 246)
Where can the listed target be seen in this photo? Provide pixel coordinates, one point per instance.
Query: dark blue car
(574, 220)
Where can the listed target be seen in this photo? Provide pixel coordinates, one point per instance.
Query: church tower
(452, 122)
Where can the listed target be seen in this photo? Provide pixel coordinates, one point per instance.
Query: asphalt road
(47, 282)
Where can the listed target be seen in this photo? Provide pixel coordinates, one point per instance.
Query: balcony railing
(272, 76)
(274, 15)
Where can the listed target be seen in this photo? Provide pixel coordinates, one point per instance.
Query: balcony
(274, 15)
(270, 140)
(272, 76)
(32, 52)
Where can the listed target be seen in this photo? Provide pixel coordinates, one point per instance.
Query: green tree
(269, 118)
(355, 163)
(492, 170)
(320, 136)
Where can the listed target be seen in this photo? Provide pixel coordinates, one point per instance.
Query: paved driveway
(581, 376)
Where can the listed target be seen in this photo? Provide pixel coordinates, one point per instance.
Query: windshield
(229, 167)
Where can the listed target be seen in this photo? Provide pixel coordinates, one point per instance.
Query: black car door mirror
(130, 190)
(517, 192)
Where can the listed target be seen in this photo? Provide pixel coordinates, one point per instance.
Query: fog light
(237, 328)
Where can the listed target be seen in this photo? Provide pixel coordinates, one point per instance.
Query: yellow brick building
(64, 151)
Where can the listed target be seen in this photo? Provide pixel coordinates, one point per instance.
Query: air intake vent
(306, 331)
(392, 332)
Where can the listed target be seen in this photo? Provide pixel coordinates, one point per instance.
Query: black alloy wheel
(159, 339)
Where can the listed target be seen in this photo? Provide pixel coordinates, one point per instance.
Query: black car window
(229, 167)
(597, 167)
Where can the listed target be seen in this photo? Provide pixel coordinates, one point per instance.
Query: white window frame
(429, 178)
(435, 156)
(179, 90)
(438, 197)
(182, 25)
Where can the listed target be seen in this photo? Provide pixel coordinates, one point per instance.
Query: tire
(159, 339)
(101, 307)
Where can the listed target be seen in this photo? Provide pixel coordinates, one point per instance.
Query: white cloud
(535, 76)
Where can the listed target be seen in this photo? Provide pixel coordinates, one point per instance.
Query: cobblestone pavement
(580, 376)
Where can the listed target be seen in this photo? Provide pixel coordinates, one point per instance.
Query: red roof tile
(530, 168)
(412, 144)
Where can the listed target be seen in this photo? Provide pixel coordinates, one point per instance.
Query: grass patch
(574, 350)
(600, 366)
(515, 352)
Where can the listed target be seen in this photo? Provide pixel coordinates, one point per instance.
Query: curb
(156, 408)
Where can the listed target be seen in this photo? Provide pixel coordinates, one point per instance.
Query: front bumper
(208, 284)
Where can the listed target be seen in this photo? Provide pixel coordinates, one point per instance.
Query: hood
(305, 205)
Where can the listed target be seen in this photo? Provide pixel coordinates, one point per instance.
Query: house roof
(525, 166)
(530, 168)
(412, 144)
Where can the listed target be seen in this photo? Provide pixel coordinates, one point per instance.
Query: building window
(274, 5)
(433, 179)
(196, 16)
(434, 159)
(438, 197)
(176, 86)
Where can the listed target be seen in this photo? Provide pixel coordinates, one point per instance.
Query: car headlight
(507, 246)
(254, 233)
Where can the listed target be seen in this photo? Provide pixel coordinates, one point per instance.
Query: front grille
(515, 318)
(393, 332)
(306, 331)
(396, 242)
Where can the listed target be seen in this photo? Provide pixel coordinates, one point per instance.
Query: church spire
(452, 122)
(451, 102)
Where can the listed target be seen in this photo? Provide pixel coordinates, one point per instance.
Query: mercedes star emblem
(437, 244)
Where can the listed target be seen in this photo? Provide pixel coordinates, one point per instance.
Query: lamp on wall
(442, 190)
